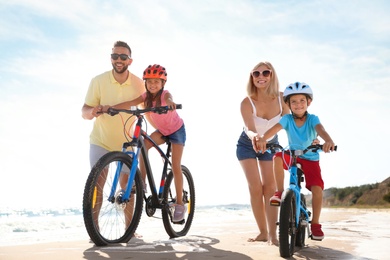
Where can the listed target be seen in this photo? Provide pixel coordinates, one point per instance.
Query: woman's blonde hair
(273, 88)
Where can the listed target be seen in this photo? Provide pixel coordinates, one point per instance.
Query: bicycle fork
(133, 170)
(295, 180)
(296, 188)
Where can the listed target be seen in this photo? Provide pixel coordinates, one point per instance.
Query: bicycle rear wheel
(108, 219)
(287, 225)
(182, 228)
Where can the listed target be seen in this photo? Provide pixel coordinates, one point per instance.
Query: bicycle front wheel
(287, 225)
(169, 199)
(108, 217)
(301, 231)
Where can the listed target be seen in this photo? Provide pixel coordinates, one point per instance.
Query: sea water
(40, 226)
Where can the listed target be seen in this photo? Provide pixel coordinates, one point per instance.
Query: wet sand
(349, 234)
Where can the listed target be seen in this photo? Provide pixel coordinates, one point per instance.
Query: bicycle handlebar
(313, 148)
(136, 111)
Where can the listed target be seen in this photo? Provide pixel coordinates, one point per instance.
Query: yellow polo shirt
(103, 90)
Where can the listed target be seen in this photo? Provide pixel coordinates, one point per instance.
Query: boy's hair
(122, 44)
(273, 89)
(287, 99)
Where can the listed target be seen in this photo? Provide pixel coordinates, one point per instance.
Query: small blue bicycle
(294, 217)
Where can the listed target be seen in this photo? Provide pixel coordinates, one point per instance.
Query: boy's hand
(328, 146)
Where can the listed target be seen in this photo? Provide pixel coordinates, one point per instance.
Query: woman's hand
(315, 141)
(259, 144)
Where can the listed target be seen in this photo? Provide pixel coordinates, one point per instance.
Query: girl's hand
(171, 104)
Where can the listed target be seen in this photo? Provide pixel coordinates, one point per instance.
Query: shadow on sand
(192, 247)
(318, 252)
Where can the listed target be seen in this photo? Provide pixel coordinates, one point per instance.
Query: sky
(50, 51)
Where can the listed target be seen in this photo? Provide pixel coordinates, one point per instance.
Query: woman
(260, 110)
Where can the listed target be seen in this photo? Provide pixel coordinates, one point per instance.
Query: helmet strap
(297, 117)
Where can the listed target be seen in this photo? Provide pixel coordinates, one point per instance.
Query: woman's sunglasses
(115, 56)
(257, 73)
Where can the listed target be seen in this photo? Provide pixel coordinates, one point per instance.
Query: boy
(302, 129)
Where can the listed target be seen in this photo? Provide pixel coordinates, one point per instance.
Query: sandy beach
(222, 234)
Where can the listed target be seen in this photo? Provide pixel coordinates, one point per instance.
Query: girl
(169, 124)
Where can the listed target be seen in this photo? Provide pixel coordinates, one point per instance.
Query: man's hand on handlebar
(97, 111)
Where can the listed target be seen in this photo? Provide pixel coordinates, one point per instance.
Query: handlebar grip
(178, 106)
(111, 112)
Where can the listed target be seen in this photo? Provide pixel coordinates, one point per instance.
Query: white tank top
(261, 124)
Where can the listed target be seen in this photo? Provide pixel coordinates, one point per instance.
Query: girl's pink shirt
(165, 123)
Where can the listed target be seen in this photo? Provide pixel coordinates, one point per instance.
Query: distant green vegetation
(356, 191)
(387, 197)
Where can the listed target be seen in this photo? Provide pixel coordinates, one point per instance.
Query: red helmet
(155, 72)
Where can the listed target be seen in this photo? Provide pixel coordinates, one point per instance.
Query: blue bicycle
(114, 191)
(294, 217)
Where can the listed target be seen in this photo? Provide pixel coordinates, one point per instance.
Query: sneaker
(179, 213)
(275, 200)
(316, 232)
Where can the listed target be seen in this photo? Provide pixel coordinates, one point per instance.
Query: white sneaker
(179, 213)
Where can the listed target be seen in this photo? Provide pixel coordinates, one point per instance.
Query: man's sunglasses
(257, 73)
(115, 56)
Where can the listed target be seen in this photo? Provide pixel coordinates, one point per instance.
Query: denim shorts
(245, 149)
(178, 137)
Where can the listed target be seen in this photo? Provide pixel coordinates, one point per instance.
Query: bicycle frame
(295, 185)
(156, 198)
(138, 142)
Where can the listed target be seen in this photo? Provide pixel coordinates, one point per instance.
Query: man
(110, 88)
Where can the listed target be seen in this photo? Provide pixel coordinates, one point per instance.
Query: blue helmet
(297, 88)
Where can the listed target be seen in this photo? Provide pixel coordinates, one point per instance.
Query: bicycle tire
(287, 225)
(174, 229)
(301, 232)
(105, 219)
